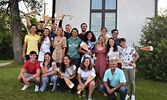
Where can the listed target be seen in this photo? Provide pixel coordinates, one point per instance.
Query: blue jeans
(122, 90)
(26, 75)
(45, 80)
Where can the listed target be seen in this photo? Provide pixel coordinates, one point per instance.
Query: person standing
(103, 33)
(90, 41)
(115, 34)
(31, 42)
(130, 56)
(100, 62)
(73, 44)
(117, 81)
(59, 46)
(30, 72)
(112, 50)
(45, 43)
(83, 31)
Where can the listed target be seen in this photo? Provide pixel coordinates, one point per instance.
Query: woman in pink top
(100, 63)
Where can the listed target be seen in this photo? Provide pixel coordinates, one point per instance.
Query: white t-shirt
(112, 55)
(50, 69)
(85, 75)
(69, 71)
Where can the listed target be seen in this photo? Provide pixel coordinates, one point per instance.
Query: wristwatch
(114, 89)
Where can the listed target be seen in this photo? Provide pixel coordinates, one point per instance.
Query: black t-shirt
(39, 32)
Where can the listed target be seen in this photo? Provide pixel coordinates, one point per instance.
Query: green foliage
(153, 64)
(6, 47)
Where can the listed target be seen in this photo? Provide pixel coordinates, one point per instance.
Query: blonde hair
(62, 30)
(103, 43)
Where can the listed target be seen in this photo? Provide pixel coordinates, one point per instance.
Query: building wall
(79, 8)
(131, 15)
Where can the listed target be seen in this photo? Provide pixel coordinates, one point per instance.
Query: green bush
(153, 64)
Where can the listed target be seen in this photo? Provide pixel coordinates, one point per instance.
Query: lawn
(10, 89)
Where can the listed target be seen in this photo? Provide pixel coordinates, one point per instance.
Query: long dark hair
(43, 36)
(93, 39)
(108, 46)
(63, 66)
(51, 60)
(82, 66)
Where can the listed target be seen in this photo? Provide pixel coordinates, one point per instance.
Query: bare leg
(91, 88)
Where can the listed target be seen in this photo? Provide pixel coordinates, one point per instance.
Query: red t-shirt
(31, 67)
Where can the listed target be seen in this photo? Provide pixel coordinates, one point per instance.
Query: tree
(153, 64)
(16, 24)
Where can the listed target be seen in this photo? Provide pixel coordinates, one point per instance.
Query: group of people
(57, 54)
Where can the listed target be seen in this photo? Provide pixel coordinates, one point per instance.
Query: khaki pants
(130, 74)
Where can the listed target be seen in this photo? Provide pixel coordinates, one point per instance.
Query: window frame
(103, 11)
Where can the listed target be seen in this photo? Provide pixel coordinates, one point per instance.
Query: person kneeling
(83, 73)
(67, 71)
(48, 68)
(117, 81)
(32, 69)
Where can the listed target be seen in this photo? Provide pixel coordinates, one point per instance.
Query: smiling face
(47, 58)
(103, 32)
(123, 44)
(33, 57)
(87, 62)
(83, 28)
(66, 61)
(33, 29)
(100, 40)
(115, 34)
(54, 27)
(89, 36)
(74, 33)
(113, 65)
(46, 32)
(111, 42)
(59, 31)
(68, 28)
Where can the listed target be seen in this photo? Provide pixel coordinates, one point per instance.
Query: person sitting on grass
(68, 71)
(117, 81)
(84, 71)
(48, 69)
(32, 69)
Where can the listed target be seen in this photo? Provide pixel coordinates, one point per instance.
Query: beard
(83, 30)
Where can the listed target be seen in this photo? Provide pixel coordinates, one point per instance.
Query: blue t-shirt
(115, 79)
(53, 35)
(73, 46)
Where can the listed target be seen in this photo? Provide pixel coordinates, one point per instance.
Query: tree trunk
(16, 31)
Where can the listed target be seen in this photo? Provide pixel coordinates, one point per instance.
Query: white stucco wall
(79, 8)
(132, 16)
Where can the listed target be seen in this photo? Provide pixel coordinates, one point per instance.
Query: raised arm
(28, 20)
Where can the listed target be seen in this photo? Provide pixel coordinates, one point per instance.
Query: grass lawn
(10, 89)
(2, 61)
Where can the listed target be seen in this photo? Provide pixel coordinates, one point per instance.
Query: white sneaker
(132, 97)
(127, 97)
(25, 87)
(36, 88)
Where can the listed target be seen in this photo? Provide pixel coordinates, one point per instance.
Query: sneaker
(36, 88)
(83, 94)
(132, 97)
(127, 97)
(50, 83)
(25, 87)
(89, 98)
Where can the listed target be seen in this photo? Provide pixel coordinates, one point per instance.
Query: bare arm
(79, 80)
(24, 49)
(35, 75)
(28, 20)
(74, 74)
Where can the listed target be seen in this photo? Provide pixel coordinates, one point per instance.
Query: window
(103, 14)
